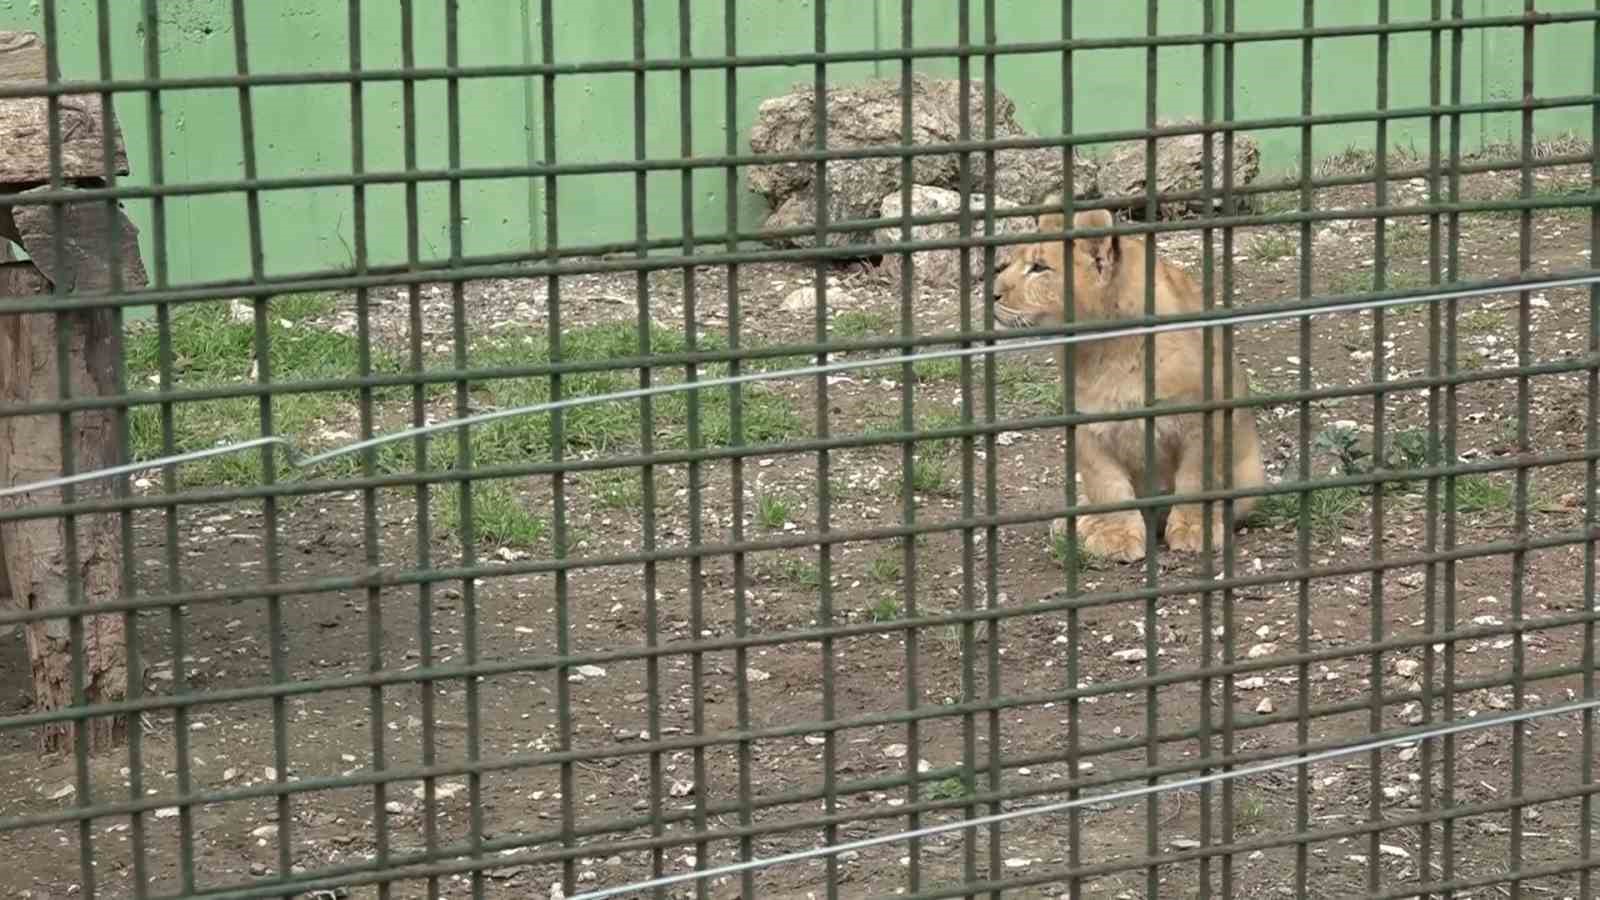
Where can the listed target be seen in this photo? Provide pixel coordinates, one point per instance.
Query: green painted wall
(306, 129)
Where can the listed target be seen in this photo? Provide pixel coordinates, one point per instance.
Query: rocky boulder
(1180, 169)
(868, 115)
(941, 269)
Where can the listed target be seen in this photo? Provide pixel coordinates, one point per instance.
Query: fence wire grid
(749, 535)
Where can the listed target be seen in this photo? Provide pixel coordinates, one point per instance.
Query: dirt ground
(785, 689)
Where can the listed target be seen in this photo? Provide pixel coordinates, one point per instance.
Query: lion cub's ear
(1102, 249)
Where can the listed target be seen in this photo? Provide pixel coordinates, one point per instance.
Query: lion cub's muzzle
(1011, 318)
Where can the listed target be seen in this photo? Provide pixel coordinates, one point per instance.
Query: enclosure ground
(333, 636)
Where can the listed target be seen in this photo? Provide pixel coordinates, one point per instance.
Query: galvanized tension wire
(301, 461)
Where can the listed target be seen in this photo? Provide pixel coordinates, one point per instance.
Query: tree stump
(38, 562)
(33, 552)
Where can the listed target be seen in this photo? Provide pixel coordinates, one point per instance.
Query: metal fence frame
(977, 343)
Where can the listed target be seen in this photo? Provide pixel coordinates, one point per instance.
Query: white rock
(1264, 649)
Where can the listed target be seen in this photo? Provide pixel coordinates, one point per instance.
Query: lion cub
(1109, 283)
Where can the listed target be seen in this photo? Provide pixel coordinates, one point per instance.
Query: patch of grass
(951, 788)
(616, 489)
(772, 511)
(1479, 493)
(940, 421)
(1249, 811)
(885, 609)
(1408, 240)
(1351, 160)
(615, 425)
(1352, 281)
(1481, 321)
(860, 323)
(212, 348)
(801, 572)
(1067, 554)
(1273, 245)
(1408, 449)
(884, 570)
(499, 516)
(931, 476)
(1327, 509)
(1277, 202)
(1035, 388)
(947, 369)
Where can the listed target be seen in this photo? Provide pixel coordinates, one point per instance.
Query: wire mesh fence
(735, 496)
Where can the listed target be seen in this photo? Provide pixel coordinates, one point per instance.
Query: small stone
(1260, 650)
(259, 870)
(1407, 668)
(264, 831)
(805, 299)
(1132, 655)
(1184, 844)
(757, 675)
(895, 751)
(166, 812)
(591, 671)
(1265, 706)
(1394, 850)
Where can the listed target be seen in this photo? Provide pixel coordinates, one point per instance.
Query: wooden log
(86, 229)
(25, 123)
(34, 552)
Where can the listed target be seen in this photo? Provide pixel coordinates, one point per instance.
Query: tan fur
(1109, 283)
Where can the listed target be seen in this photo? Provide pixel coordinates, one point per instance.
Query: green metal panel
(595, 114)
(1562, 66)
(305, 128)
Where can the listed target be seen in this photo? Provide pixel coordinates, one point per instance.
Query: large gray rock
(868, 116)
(1179, 170)
(941, 269)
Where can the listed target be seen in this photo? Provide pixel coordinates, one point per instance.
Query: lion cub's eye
(1038, 267)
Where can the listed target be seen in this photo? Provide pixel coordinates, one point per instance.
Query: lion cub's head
(1028, 288)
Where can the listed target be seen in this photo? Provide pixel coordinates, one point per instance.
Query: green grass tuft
(210, 348)
(500, 516)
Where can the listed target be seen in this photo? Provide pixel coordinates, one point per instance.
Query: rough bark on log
(25, 123)
(34, 551)
(85, 263)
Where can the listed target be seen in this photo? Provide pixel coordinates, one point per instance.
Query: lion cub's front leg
(1117, 536)
(1186, 523)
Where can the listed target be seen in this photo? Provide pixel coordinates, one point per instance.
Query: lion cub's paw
(1186, 534)
(1119, 538)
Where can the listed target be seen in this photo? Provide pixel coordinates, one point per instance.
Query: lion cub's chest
(1116, 385)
